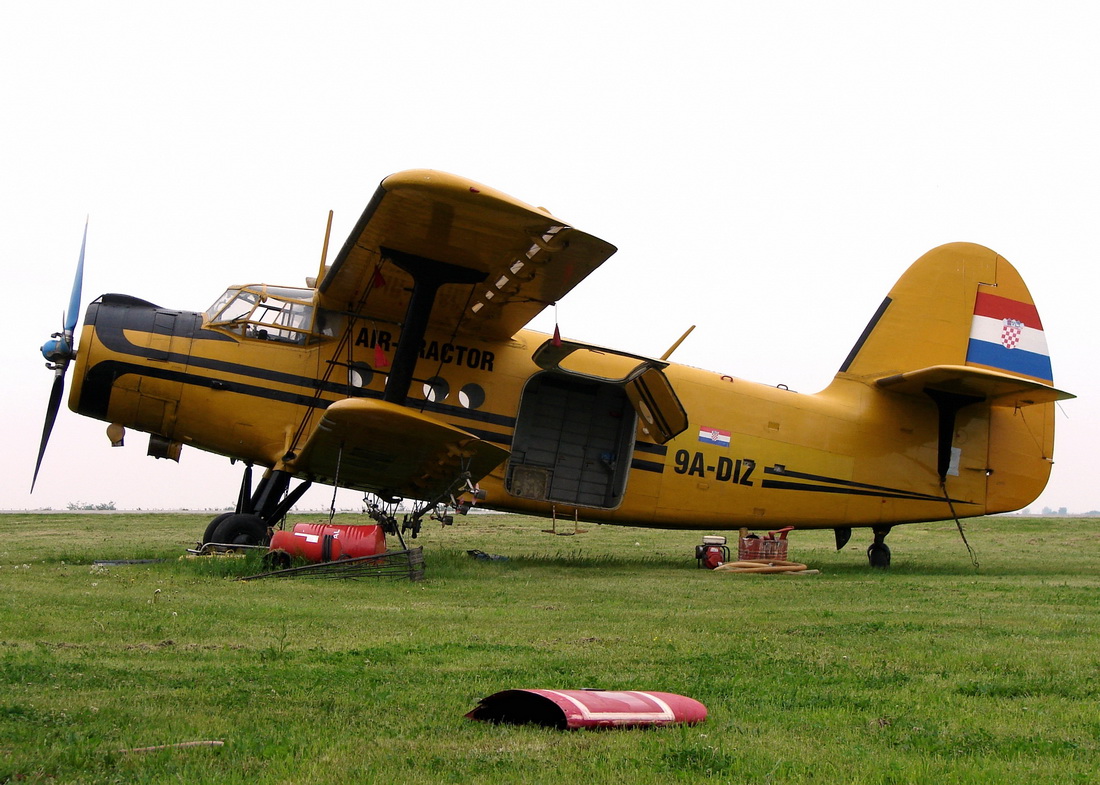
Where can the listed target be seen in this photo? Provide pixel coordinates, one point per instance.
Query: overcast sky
(767, 170)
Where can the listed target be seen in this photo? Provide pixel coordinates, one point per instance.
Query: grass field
(931, 671)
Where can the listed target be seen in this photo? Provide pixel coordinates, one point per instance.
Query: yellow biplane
(403, 370)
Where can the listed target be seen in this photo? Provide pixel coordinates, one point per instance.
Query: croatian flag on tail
(1007, 335)
(717, 436)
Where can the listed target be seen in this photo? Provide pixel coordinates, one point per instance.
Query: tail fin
(959, 304)
(959, 330)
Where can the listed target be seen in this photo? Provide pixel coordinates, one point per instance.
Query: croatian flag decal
(714, 436)
(1007, 335)
(1011, 330)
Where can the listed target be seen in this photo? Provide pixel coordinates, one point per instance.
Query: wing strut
(428, 275)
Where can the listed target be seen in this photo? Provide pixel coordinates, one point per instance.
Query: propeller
(59, 351)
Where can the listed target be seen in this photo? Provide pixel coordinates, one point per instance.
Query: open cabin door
(579, 418)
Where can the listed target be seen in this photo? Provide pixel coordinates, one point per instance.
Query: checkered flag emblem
(1010, 333)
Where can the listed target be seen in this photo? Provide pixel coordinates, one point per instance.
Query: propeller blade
(59, 353)
(51, 416)
(78, 282)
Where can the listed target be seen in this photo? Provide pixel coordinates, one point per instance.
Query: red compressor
(713, 552)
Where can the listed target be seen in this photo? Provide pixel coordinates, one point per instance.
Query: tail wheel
(878, 555)
(241, 529)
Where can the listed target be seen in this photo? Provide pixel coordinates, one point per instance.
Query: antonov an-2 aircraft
(403, 370)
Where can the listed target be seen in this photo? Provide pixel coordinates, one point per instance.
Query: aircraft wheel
(878, 555)
(241, 529)
(208, 535)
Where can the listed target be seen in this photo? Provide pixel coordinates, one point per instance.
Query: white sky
(767, 170)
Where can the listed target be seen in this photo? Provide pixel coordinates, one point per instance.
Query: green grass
(931, 671)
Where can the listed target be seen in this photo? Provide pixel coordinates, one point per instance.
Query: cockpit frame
(282, 314)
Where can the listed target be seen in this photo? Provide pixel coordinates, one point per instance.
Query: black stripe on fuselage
(96, 391)
(836, 485)
(647, 466)
(655, 449)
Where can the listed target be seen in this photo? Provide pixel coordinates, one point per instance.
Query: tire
(208, 535)
(241, 529)
(878, 555)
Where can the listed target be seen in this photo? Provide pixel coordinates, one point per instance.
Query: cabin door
(573, 442)
(578, 420)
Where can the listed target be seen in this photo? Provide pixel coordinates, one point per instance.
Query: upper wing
(522, 257)
(388, 449)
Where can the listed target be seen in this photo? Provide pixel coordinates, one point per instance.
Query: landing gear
(878, 553)
(241, 529)
(256, 512)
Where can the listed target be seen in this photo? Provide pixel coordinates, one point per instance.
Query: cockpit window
(220, 303)
(268, 313)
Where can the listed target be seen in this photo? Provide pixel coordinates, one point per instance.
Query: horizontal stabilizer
(999, 389)
(372, 445)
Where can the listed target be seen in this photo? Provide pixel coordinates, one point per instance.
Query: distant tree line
(83, 506)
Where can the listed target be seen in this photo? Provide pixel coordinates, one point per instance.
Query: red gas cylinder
(321, 542)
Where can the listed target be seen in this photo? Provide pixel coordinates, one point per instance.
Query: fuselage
(751, 456)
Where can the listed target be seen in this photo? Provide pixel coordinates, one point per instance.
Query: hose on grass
(761, 566)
